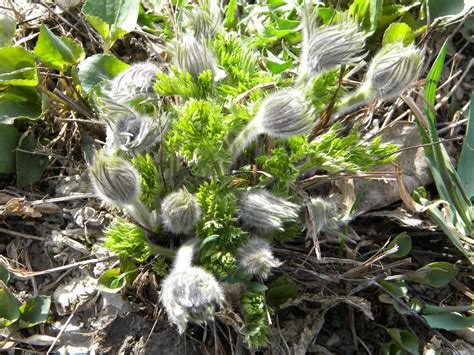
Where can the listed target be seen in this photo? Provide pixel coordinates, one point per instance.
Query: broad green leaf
(29, 165)
(405, 339)
(449, 321)
(398, 32)
(432, 309)
(7, 29)
(17, 67)
(465, 164)
(403, 241)
(255, 286)
(437, 274)
(391, 13)
(4, 274)
(281, 290)
(98, 68)
(230, 9)
(442, 8)
(8, 142)
(20, 102)
(395, 287)
(275, 64)
(111, 281)
(56, 52)
(128, 267)
(112, 18)
(366, 12)
(34, 311)
(9, 311)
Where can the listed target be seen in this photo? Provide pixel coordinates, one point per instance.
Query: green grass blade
(465, 165)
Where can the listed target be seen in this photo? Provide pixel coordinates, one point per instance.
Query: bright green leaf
(9, 311)
(112, 18)
(57, 52)
(405, 339)
(465, 165)
(111, 281)
(98, 68)
(20, 102)
(8, 142)
(4, 274)
(403, 241)
(275, 64)
(17, 67)
(29, 166)
(230, 14)
(366, 12)
(34, 311)
(437, 274)
(281, 290)
(432, 309)
(449, 321)
(398, 32)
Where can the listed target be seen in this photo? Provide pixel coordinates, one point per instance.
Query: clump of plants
(204, 152)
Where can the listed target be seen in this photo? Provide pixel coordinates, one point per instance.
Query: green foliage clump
(255, 316)
(127, 239)
(178, 83)
(199, 135)
(218, 228)
(148, 178)
(323, 88)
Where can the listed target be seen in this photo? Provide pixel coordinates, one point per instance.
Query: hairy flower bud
(180, 212)
(283, 114)
(330, 46)
(128, 130)
(256, 257)
(193, 57)
(393, 69)
(262, 210)
(205, 20)
(325, 215)
(115, 180)
(134, 82)
(189, 293)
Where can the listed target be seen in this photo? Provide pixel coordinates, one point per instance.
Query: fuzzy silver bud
(189, 293)
(134, 82)
(115, 180)
(330, 46)
(393, 69)
(262, 210)
(192, 56)
(180, 212)
(204, 20)
(256, 257)
(325, 215)
(283, 114)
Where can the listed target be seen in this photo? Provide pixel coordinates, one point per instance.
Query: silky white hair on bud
(255, 257)
(325, 214)
(192, 56)
(262, 210)
(204, 20)
(189, 293)
(180, 212)
(134, 82)
(283, 114)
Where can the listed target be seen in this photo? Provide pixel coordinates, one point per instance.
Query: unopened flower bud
(134, 82)
(262, 210)
(180, 212)
(189, 293)
(205, 20)
(115, 180)
(325, 215)
(330, 46)
(193, 57)
(256, 257)
(283, 114)
(393, 69)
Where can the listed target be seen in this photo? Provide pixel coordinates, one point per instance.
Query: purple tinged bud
(256, 257)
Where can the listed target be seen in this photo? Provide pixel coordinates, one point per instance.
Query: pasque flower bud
(262, 210)
(192, 56)
(128, 130)
(204, 20)
(180, 212)
(134, 82)
(189, 293)
(393, 69)
(117, 183)
(329, 46)
(325, 215)
(256, 257)
(283, 114)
